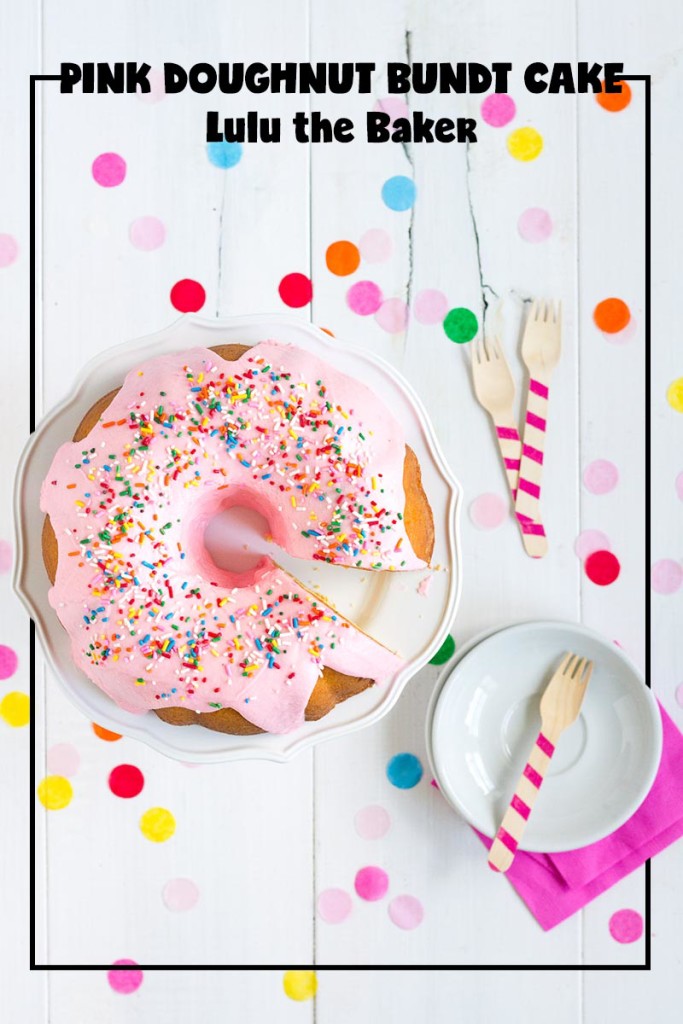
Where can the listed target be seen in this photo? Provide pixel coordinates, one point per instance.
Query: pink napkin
(554, 886)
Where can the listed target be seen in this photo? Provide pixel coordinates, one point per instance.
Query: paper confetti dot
(399, 193)
(126, 781)
(614, 101)
(406, 911)
(125, 982)
(404, 771)
(15, 709)
(187, 296)
(295, 290)
(300, 985)
(8, 662)
(109, 169)
(393, 106)
(626, 926)
(430, 306)
(334, 905)
(371, 883)
(157, 824)
(364, 298)
(157, 91)
(5, 556)
(600, 476)
(444, 653)
(589, 541)
(180, 894)
(602, 568)
(679, 694)
(224, 154)
(488, 511)
(392, 316)
(342, 258)
(376, 245)
(63, 759)
(674, 394)
(147, 233)
(666, 576)
(524, 144)
(55, 792)
(372, 822)
(498, 109)
(460, 325)
(679, 486)
(9, 250)
(535, 225)
(105, 734)
(611, 315)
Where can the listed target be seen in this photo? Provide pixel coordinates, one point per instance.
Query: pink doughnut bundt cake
(153, 621)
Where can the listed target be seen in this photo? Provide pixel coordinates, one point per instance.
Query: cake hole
(236, 539)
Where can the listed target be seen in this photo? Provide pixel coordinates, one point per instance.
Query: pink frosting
(153, 621)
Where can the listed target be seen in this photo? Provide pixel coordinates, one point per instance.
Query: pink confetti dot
(535, 225)
(8, 662)
(666, 576)
(679, 486)
(334, 905)
(364, 298)
(498, 109)
(6, 555)
(372, 822)
(488, 511)
(406, 911)
(430, 306)
(125, 982)
(63, 759)
(180, 894)
(109, 169)
(392, 106)
(9, 250)
(147, 233)
(679, 694)
(392, 316)
(589, 541)
(626, 926)
(157, 87)
(600, 477)
(371, 883)
(376, 246)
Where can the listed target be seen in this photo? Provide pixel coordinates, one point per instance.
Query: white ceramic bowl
(386, 605)
(484, 717)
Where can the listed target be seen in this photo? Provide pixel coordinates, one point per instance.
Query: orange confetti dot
(105, 734)
(615, 101)
(342, 258)
(611, 315)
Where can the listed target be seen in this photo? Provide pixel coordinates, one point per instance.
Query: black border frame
(647, 966)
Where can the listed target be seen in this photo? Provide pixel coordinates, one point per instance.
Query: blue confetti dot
(404, 771)
(224, 154)
(399, 193)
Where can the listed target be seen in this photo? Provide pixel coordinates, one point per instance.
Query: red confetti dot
(602, 568)
(295, 290)
(187, 296)
(126, 781)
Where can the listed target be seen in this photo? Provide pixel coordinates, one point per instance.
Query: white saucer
(484, 718)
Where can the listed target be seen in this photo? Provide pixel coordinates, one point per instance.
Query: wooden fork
(560, 706)
(495, 391)
(541, 346)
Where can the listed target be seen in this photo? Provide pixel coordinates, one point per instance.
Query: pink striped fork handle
(510, 446)
(560, 706)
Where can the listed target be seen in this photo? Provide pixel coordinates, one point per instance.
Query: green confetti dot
(460, 325)
(446, 651)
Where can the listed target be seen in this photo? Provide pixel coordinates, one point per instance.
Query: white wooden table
(260, 840)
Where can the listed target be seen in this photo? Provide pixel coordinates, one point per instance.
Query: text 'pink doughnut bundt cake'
(153, 621)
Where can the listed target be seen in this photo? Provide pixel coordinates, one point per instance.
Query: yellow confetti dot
(674, 394)
(525, 143)
(15, 708)
(157, 824)
(300, 985)
(55, 792)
